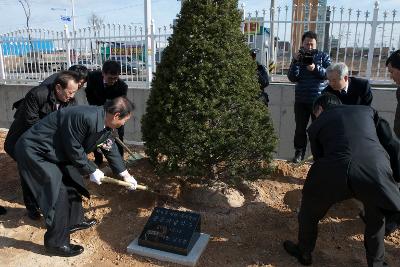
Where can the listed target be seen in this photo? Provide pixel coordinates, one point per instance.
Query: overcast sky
(128, 11)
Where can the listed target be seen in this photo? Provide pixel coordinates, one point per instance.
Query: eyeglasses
(112, 78)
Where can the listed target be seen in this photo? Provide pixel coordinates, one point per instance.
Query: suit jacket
(391, 144)
(396, 126)
(50, 79)
(56, 148)
(349, 159)
(97, 93)
(358, 93)
(37, 104)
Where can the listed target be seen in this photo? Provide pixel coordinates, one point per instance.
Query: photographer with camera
(308, 71)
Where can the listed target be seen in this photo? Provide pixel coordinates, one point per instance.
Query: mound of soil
(250, 234)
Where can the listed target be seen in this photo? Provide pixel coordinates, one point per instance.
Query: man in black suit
(37, 104)
(52, 157)
(339, 138)
(350, 90)
(105, 85)
(393, 65)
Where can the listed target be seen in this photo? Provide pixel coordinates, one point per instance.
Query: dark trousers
(98, 156)
(68, 212)
(302, 114)
(314, 209)
(396, 126)
(29, 199)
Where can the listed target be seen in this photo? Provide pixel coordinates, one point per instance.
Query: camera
(306, 57)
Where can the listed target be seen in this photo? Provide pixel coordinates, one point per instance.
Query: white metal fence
(34, 54)
(362, 39)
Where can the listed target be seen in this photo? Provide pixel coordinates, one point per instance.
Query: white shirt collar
(346, 87)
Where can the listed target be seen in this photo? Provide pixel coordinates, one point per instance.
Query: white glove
(96, 176)
(129, 178)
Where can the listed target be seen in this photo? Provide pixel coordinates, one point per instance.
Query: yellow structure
(305, 15)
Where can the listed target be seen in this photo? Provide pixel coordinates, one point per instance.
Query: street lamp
(57, 8)
(63, 18)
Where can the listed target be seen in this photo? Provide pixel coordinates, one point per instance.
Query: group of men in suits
(54, 93)
(50, 143)
(310, 77)
(355, 156)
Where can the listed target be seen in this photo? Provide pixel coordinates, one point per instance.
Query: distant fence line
(38, 53)
(362, 39)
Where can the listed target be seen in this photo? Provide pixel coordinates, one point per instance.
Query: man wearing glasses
(106, 85)
(39, 102)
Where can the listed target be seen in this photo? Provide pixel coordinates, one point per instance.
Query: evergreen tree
(203, 115)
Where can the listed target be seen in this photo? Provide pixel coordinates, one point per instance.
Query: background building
(257, 36)
(309, 15)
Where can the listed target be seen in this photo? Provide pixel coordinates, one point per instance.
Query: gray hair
(340, 68)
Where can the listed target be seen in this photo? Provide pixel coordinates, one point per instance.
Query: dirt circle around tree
(247, 226)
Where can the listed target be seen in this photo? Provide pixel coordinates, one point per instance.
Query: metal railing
(35, 54)
(361, 39)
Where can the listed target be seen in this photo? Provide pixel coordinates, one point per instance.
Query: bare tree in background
(95, 21)
(27, 9)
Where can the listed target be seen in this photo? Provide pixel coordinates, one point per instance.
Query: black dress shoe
(65, 251)
(392, 223)
(2, 210)
(34, 214)
(298, 156)
(293, 250)
(390, 227)
(83, 225)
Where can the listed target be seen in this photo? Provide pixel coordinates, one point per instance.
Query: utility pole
(73, 15)
(148, 42)
(2, 69)
(371, 49)
(272, 37)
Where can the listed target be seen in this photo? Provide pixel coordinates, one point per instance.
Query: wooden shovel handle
(119, 141)
(110, 180)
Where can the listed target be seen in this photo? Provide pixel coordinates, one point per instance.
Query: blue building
(20, 46)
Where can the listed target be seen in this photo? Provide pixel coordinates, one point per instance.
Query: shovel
(110, 180)
(134, 156)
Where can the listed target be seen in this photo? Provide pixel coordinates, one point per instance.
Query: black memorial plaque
(171, 230)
